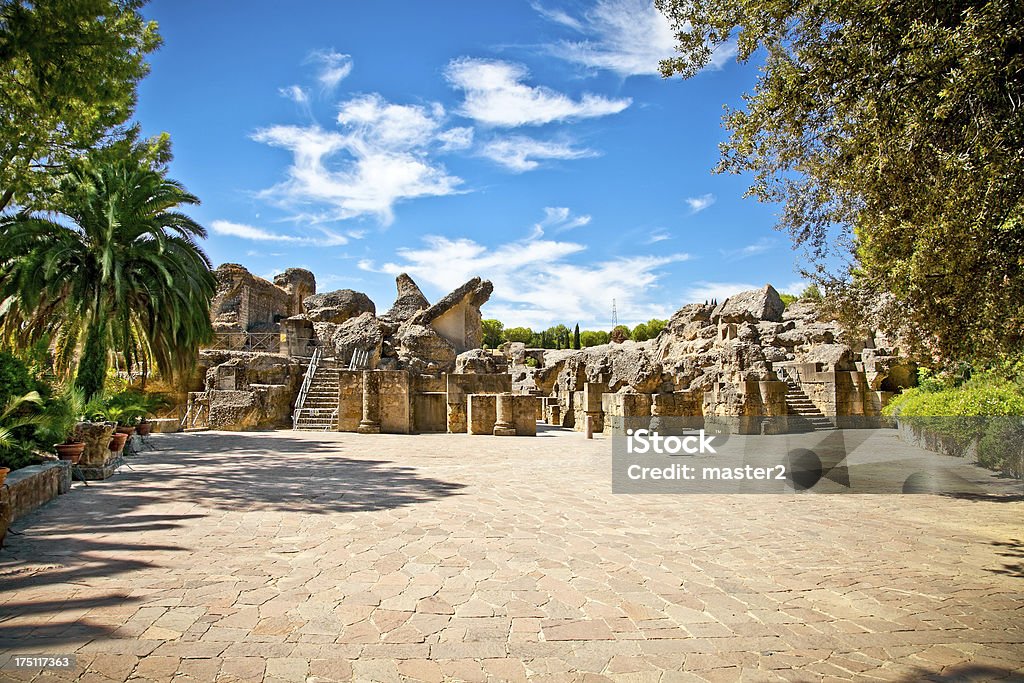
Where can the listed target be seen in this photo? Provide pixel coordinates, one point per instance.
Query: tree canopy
(117, 269)
(893, 135)
(69, 70)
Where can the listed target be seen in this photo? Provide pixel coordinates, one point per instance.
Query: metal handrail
(247, 341)
(306, 382)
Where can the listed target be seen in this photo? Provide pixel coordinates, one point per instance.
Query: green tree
(895, 131)
(117, 270)
(69, 72)
(811, 293)
(492, 330)
(640, 333)
(576, 338)
(590, 338)
(648, 330)
(519, 334)
(787, 299)
(620, 334)
(556, 337)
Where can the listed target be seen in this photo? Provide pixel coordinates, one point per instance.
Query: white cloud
(658, 236)
(560, 219)
(519, 153)
(249, 232)
(534, 283)
(698, 204)
(455, 139)
(796, 287)
(702, 291)
(557, 16)
(762, 245)
(295, 93)
(495, 95)
(380, 156)
(333, 67)
(628, 37)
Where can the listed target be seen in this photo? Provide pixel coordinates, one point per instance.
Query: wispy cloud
(628, 37)
(557, 16)
(295, 93)
(698, 204)
(332, 67)
(249, 232)
(560, 219)
(520, 153)
(455, 139)
(380, 155)
(535, 283)
(762, 245)
(658, 236)
(495, 95)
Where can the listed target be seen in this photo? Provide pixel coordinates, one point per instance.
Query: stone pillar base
(99, 472)
(368, 428)
(504, 430)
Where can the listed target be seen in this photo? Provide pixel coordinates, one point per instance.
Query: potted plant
(119, 414)
(151, 403)
(62, 413)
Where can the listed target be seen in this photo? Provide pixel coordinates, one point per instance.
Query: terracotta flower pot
(70, 451)
(125, 430)
(117, 441)
(144, 428)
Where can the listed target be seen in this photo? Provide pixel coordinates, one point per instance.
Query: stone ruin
(750, 363)
(395, 372)
(339, 366)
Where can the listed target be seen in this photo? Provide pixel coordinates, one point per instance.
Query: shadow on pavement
(270, 471)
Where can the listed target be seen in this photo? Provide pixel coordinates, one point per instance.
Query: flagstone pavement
(286, 556)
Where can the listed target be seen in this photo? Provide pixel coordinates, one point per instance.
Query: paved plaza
(286, 556)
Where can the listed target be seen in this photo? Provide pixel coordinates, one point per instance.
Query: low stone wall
(28, 488)
(165, 425)
(937, 443)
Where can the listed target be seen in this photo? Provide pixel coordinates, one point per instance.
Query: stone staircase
(803, 412)
(319, 411)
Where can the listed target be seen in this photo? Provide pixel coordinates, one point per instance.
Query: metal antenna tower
(615, 316)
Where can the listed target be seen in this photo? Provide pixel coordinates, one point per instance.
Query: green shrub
(15, 378)
(980, 409)
(1002, 447)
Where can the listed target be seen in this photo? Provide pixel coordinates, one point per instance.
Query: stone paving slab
(284, 556)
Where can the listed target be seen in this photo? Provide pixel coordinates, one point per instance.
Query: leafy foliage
(590, 338)
(984, 408)
(18, 419)
(119, 268)
(893, 134)
(519, 334)
(492, 330)
(648, 330)
(70, 71)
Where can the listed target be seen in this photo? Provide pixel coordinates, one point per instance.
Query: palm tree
(114, 268)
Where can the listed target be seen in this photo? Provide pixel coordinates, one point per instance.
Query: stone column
(504, 426)
(370, 424)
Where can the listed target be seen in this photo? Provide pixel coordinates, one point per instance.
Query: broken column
(370, 424)
(505, 425)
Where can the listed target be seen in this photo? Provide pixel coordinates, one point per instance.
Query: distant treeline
(561, 337)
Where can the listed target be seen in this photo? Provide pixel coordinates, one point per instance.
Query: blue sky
(532, 144)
